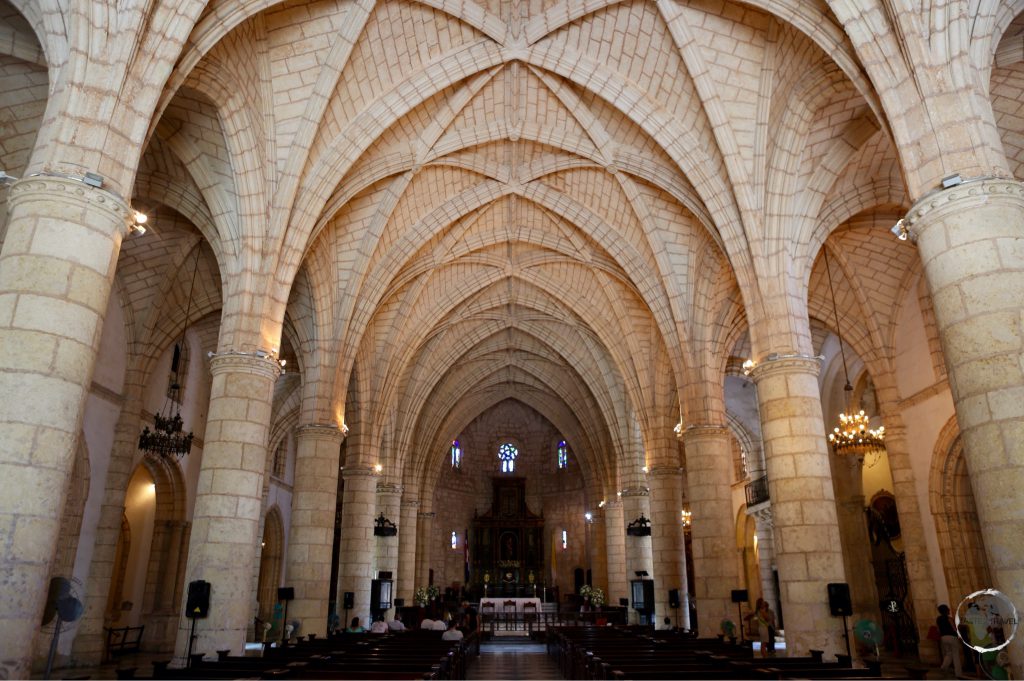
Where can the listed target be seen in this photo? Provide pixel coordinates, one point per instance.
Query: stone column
(847, 472)
(389, 497)
(56, 270)
(808, 550)
(407, 529)
(424, 543)
(668, 543)
(970, 241)
(766, 555)
(636, 502)
(311, 538)
(615, 535)
(224, 543)
(599, 551)
(355, 561)
(708, 451)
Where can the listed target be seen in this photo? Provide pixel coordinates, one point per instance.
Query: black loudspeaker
(839, 599)
(673, 598)
(740, 596)
(198, 604)
(286, 593)
(349, 600)
(399, 602)
(623, 602)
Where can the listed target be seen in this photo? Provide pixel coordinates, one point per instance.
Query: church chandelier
(854, 435)
(168, 438)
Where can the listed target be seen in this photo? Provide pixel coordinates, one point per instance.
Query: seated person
(396, 624)
(426, 624)
(439, 625)
(354, 628)
(378, 626)
(452, 634)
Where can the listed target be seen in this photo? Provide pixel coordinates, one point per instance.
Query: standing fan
(868, 632)
(62, 604)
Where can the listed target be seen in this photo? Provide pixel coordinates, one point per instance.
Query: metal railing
(757, 491)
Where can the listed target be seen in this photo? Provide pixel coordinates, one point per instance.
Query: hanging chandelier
(167, 437)
(854, 435)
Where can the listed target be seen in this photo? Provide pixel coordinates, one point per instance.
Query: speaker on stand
(348, 602)
(285, 593)
(197, 605)
(673, 602)
(839, 605)
(740, 596)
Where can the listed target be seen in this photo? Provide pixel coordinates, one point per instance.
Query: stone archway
(270, 565)
(951, 497)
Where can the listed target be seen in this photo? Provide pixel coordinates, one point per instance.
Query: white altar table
(499, 604)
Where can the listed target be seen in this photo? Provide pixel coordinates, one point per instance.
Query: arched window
(456, 454)
(565, 539)
(507, 453)
(280, 458)
(563, 454)
(455, 540)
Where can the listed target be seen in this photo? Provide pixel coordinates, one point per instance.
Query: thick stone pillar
(970, 240)
(847, 472)
(668, 543)
(311, 539)
(615, 536)
(808, 550)
(636, 502)
(407, 536)
(56, 270)
(708, 451)
(389, 497)
(765, 531)
(224, 544)
(598, 550)
(356, 558)
(424, 544)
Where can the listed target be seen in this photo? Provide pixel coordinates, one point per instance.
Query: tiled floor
(515, 659)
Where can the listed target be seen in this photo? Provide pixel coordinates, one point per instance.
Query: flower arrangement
(425, 594)
(594, 593)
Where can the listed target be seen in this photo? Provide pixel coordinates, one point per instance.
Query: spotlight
(93, 180)
(140, 218)
(589, 516)
(900, 231)
(951, 180)
(377, 468)
(748, 366)
(6, 180)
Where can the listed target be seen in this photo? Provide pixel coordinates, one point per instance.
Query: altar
(499, 604)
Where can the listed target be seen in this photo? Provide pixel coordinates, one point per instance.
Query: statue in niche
(509, 546)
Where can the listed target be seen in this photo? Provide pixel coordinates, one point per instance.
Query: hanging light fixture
(166, 438)
(854, 435)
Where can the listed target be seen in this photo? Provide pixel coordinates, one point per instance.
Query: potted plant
(594, 594)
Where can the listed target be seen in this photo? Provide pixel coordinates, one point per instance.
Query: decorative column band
(357, 472)
(658, 471)
(426, 514)
(764, 515)
(321, 431)
(635, 492)
(72, 191)
(613, 504)
(978, 189)
(410, 503)
(698, 431)
(388, 488)
(785, 364)
(244, 362)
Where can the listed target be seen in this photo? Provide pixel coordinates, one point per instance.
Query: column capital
(774, 364)
(232, 361)
(357, 472)
(702, 431)
(661, 471)
(388, 488)
(939, 202)
(635, 492)
(410, 503)
(71, 191)
(613, 504)
(426, 514)
(320, 431)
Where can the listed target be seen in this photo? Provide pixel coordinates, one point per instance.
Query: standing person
(947, 641)
(766, 629)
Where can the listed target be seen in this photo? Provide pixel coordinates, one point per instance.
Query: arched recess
(956, 517)
(116, 593)
(270, 564)
(750, 567)
(168, 551)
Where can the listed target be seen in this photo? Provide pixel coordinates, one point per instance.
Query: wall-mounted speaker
(198, 604)
(740, 596)
(623, 602)
(349, 600)
(286, 593)
(673, 598)
(399, 602)
(839, 599)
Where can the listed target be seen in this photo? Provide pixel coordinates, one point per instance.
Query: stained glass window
(507, 454)
(456, 454)
(565, 539)
(455, 540)
(563, 454)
